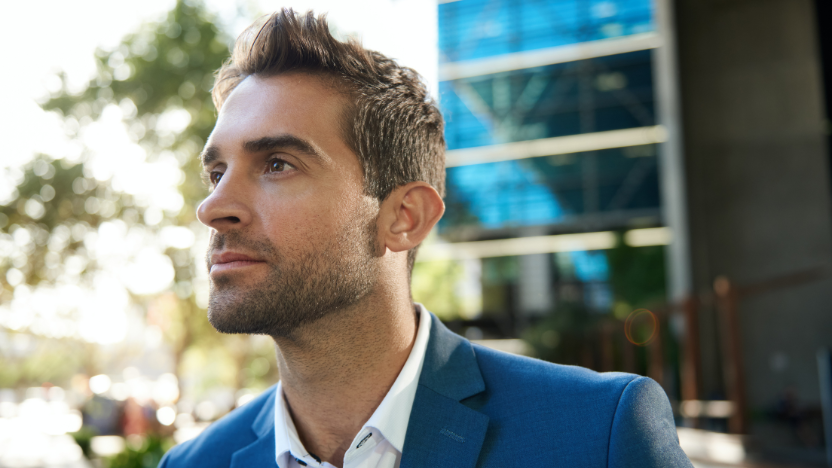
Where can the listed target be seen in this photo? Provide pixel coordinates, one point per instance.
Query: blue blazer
(476, 407)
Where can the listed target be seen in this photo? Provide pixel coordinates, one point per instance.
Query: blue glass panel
(590, 266)
(473, 29)
(552, 189)
(606, 93)
(492, 195)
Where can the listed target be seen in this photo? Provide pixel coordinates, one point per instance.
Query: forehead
(297, 104)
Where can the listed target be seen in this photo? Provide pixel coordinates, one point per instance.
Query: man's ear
(408, 214)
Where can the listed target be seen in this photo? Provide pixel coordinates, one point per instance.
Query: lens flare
(633, 318)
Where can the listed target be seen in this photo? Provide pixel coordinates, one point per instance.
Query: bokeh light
(99, 384)
(166, 415)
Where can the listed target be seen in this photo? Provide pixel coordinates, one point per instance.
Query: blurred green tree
(637, 276)
(434, 284)
(159, 78)
(147, 455)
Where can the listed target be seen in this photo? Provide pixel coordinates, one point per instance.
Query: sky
(45, 36)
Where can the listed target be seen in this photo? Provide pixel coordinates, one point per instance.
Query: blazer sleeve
(643, 431)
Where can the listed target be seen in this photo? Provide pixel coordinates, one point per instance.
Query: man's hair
(390, 122)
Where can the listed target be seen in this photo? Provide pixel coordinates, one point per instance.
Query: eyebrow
(285, 141)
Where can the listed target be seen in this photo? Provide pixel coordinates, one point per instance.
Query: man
(327, 169)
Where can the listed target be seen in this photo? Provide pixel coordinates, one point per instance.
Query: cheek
(312, 214)
(296, 221)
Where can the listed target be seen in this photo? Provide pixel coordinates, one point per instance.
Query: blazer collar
(261, 452)
(450, 367)
(442, 431)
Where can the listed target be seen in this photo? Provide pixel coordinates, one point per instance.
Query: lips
(232, 260)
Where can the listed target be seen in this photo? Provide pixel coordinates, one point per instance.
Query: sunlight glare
(151, 272)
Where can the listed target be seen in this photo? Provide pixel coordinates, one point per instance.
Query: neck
(336, 371)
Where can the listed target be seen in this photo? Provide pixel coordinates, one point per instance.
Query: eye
(277, 165)
(215, 177)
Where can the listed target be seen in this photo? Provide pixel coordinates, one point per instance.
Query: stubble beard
(299, 289)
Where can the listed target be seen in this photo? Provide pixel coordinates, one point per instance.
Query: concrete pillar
(758, 180)
(535, 285)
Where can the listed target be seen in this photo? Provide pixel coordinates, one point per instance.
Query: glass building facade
(551, 126)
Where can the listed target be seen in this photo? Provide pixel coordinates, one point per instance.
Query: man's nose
(226, 207)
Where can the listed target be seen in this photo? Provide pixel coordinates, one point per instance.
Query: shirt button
(365, 439)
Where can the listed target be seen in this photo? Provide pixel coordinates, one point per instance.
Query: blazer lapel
(442, 431)
(261, 452)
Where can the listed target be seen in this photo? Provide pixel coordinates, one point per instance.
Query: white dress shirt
(379, 443)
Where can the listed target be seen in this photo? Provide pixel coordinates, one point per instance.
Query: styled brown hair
(390, 123)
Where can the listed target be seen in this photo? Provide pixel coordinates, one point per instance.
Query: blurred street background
(633, 185)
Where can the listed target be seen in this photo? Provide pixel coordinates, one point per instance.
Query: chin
(254, 312)
(230, 308)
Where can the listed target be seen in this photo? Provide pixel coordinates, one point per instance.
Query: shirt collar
(393, 414)
(286, 436)
(390, 418)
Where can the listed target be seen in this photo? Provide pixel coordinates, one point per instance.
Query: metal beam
(549, 56)
(541, 244)
(556, 145)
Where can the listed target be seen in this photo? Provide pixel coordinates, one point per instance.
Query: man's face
(293, 234)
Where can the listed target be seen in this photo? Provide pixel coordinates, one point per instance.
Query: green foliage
(434, 285)
(561, 335)
(48, 361)
(83, 438)
(51, 208)
(259, 369)
(147, 455)
(637, 276)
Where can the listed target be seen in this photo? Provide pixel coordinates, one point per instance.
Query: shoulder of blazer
(574, 415)
(509, 372)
